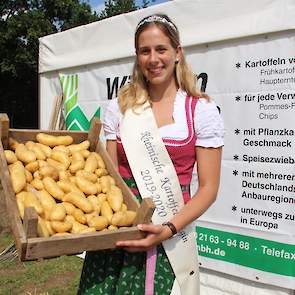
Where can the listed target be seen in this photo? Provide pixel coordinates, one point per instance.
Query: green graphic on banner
(75, 118)
(265, 255)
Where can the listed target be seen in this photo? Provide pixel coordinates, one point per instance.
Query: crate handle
(145, 212)
(4, 129)
(93, 134)
(30, 222)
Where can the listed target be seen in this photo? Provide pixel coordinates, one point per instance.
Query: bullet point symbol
(234, 208)
(236, 157)
(235, 172)
(237, 131)
(238, 65)
(238, 98)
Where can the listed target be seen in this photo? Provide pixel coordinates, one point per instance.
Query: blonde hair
(136, 92)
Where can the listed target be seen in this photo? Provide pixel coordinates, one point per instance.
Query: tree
(21, 24)
(115, 7)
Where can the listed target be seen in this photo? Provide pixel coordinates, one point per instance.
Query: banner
(249, 230)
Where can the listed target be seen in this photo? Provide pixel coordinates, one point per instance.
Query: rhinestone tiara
(156, 18)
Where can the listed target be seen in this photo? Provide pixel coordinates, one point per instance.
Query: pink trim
(190, 105)
(151, 258)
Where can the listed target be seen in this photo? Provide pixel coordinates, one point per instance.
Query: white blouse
(208, 123)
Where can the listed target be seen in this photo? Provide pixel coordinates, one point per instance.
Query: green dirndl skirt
(118, 272)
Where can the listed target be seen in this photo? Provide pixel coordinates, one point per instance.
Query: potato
(121, 218)
(57, 165)
(67, 186)
(77, 165)
(61, 157)
(78, 227)
(49, 171)
(70, 208)
(79, 216)
(61, 226)
(58, 213)
(49, 228)
(96, 203)
(100, 161)
(47, 202)
(64, 175)
(106, 211)
(79, 201)
(90, 215)
(84, 145)
(17, 176)
(29, 176)
(98, 222)
(10, 156)
(115, 198)
(85, 153)
(37, 184)
(87, 175)
(105, 183)
(101, 197)
(46, 149)
(51, 186)
(91, 163)
(70, 218)
(37, 175)
(42, 228)
(124, 207)
(31, 200)
(52, 141)
(33, 166)
(40, 155)
(112, 227)
(86, 186)
(101, 172)
(62, 148)
(24, 155)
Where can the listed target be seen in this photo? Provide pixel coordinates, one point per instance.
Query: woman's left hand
(156, 234)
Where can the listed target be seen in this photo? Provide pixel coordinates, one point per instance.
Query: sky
(98, 5)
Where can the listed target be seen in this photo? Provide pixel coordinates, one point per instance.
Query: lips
(155, 71)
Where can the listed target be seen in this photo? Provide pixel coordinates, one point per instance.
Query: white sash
(156, 177)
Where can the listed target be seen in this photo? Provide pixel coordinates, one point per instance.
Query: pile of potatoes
(68, 186)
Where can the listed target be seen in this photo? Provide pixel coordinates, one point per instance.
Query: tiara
(156, 18)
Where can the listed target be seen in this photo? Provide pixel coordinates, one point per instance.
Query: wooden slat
(4, 128)
(30, 222)
(12, 209)
(93, 134)
(145, 211)
(56, 246)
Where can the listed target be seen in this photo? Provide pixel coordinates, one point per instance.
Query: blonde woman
(191, 128)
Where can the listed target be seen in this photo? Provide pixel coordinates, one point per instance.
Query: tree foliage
(21, 24)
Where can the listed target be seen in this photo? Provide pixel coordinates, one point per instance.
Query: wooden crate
(31, 247)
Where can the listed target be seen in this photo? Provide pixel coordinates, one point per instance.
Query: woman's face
(156, 56)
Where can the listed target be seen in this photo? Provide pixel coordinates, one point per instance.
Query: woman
(192, 131)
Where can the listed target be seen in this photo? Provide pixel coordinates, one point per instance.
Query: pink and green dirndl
(118, 272)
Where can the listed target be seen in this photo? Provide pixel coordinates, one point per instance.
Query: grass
(57, 276)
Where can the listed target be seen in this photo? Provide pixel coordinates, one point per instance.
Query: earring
(176, 61)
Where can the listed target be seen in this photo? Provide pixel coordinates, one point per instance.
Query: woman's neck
(162, 92)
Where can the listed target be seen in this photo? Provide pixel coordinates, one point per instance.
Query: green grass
(57, 276)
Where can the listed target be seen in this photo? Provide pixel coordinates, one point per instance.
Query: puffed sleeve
(111, 119)
(208, 124)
